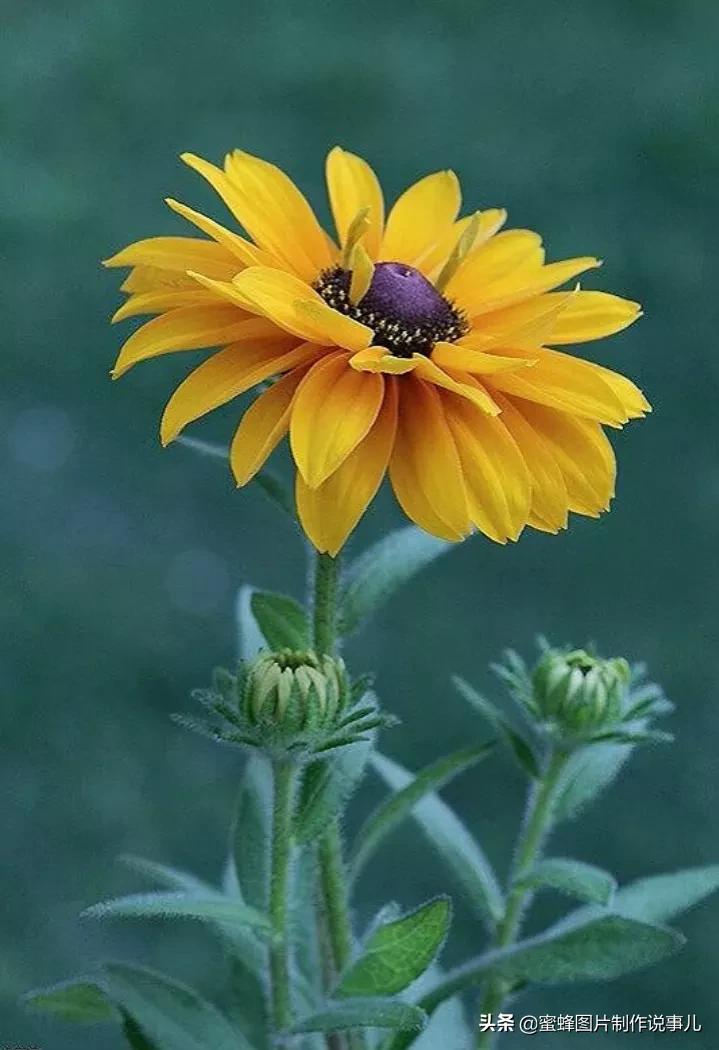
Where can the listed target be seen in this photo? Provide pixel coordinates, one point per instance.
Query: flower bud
(290, 692)
(578, 694)
(288, 702)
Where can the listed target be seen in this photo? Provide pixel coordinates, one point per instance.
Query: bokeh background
(596, 123)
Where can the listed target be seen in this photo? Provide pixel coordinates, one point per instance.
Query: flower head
(288, 702)
(422, 347)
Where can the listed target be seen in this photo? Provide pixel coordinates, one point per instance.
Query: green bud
(288, 702)
(293, 698)
(578, 694)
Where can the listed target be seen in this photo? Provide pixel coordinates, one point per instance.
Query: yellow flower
(417, 346)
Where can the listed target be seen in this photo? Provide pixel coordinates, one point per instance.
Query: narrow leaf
(398, 952)
(363, 1013)
(281, 619)
(164, 875)
(589, 772)
(662, 897)
(170, 1015)
(574, 877)
(251, 832)
(80, 1001)
(520, 748)
(597, 950)
(134, 1035)
(249, 636)
(327, 786)
(276, 491)
(659, 898)
(380, 571)
(451, 839)
(402, 802)
(215, 908)
(270, 484)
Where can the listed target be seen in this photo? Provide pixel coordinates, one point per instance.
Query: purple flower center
(406, 312)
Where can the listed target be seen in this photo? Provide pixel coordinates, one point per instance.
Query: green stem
(535, 828)
(283, 770)
(324, 604)
(332, 868)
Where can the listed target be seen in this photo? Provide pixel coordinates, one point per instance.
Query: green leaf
(327, 786)
(302, 906)
(398, 952)
(249, 636)
(215, 908)
(362, 1013)
(402, 802)
(596, 950)
(164, 875)
(520, 748)
(251, 832)
(276, 491)
(79, 1001)
(281, 619)
(135, 1036)
(380, 571)
(169, 1014)
(574, 877)
(270, 484)
(588, 772)
(451, 839)
(447, 1030)
(659, 898)
(599, 950)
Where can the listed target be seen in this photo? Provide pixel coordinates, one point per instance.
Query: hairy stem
(284, 780)
(535, 828)
(324, 604)
(332, 868)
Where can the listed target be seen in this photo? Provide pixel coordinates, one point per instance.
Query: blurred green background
(595, 123)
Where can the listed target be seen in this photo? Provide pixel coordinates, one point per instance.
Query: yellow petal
(296, 307)
(277, 216)
(332, 326)
(247, 253)
(225, 291)
(500, 259)
(452, 380)
(333, 410)
(379, 359)
(566, 383)
(152, 279)
(178, 254)
(499, 489)
(475, 362)
(550, 500)
(632, 399)
(524, 284)
(226, 375)
(592, 315)
(421, 217)
(490, 222)
(522, 326)
(352, 185)
(161, 301)
(189, 328)
(425, 468)
(329, 513)
(263, 426)
(581, 451)
(362, 269)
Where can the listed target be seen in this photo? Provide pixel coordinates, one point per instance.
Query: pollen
(406, 312)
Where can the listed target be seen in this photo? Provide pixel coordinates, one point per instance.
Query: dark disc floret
(406, 312)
